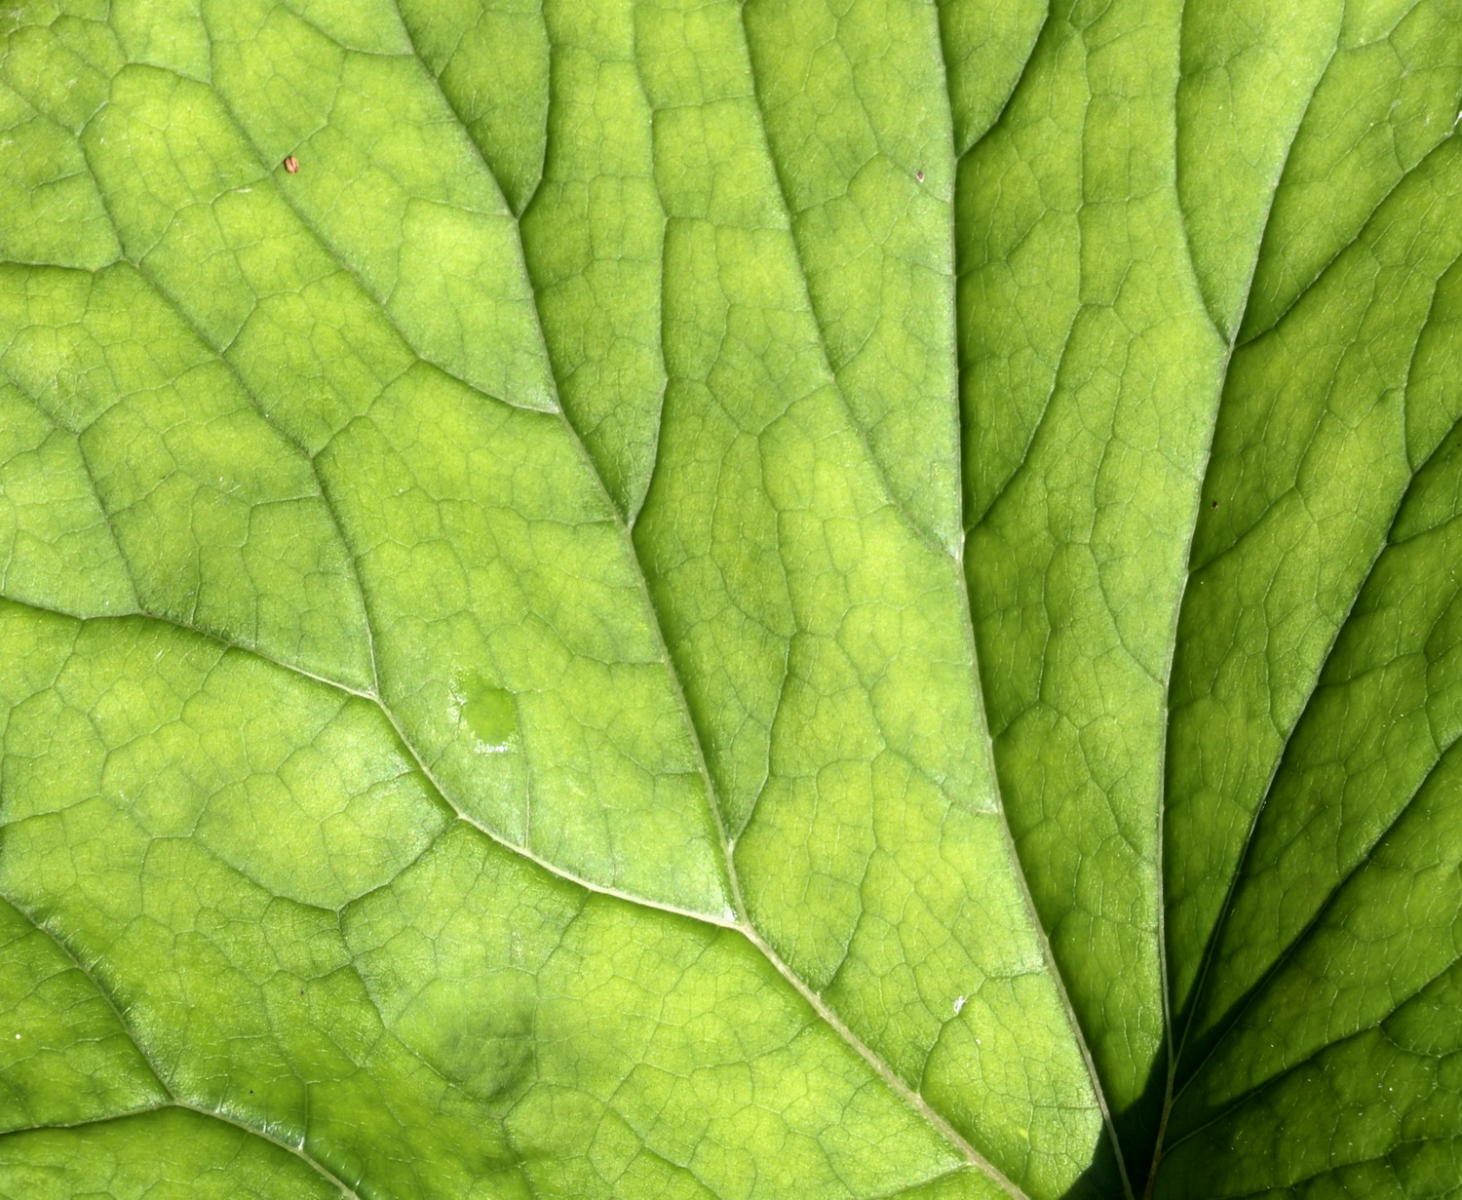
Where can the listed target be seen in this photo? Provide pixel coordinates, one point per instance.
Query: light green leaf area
(730, 599)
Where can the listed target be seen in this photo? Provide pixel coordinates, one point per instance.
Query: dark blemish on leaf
(1213, 504)
(919, 175)
(292, 164)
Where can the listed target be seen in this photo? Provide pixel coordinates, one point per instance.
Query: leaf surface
(730, 599)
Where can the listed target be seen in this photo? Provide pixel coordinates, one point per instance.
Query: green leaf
(730, 600)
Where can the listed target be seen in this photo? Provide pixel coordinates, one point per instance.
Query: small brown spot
(292, 164)
(919, 175)
(1213, 504)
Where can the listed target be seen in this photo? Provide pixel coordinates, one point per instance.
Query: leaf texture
(730, 599)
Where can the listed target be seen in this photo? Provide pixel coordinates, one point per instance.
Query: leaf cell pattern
(730, 599)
